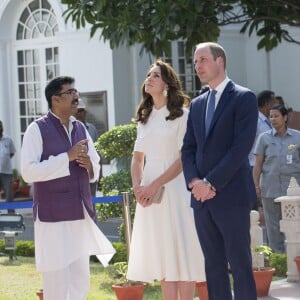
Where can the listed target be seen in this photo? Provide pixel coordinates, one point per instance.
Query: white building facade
(36, 45)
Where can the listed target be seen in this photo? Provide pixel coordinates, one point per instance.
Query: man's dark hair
(54, 87)
(265, 97)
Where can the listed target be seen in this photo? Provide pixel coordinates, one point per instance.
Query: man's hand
(78, 150)
(84, 161)
(201, 191)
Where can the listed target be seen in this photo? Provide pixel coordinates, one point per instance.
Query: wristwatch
(208, 184)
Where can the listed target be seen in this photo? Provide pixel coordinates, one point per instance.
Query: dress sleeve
(138, 145)
(182, 128)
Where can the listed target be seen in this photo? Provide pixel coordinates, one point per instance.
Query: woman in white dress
(164, 243)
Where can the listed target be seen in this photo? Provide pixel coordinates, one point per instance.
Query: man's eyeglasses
(68, 92)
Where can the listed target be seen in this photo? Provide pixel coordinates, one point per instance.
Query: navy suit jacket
(222, 156)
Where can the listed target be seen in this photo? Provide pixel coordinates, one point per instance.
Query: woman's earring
(165, 93)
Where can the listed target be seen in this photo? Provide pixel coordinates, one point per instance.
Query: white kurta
(164, 241)
(58, 244)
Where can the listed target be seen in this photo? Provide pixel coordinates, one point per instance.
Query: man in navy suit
(217, 171)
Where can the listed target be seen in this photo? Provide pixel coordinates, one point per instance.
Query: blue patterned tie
(210, 109)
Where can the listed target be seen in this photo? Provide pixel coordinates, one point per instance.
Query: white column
(256, 233)
(290, 226)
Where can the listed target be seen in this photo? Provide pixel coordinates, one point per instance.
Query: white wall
(285, 73)
(278, 70)
(89, 61)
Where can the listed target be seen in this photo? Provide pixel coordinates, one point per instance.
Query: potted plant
(24, 188)
(297, 261)
(15, 181)
(124, 288)
(262, 274)
(116, 145)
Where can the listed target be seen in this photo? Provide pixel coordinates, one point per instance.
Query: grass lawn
(19, 280)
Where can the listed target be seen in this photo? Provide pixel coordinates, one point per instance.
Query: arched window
(37, 61)
(37, 19)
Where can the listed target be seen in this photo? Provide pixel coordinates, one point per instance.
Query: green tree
(116, 145)
(155, 23)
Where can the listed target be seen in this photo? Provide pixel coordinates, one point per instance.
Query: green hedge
(279, 262)
(23, 248)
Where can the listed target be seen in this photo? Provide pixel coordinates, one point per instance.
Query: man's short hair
(54, 87)
(265, 97)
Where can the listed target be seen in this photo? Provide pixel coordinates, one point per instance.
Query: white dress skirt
(58, 244)
(164, 242)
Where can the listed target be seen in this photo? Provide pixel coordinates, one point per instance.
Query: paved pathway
(282, 290)
(109, 228)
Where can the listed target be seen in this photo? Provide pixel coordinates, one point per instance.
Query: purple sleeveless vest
(61, 199)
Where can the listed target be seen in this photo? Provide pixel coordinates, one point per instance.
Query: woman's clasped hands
(144, 194)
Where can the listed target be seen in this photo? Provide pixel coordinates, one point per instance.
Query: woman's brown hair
(176, 98)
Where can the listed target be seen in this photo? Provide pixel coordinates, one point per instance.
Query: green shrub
(120, 255)
(279, 262)
(26, 248)
(113, 185)
(121, 252)
(118, 272)
(23, 248)
(116, 144)
(2, 246)
(121, 232)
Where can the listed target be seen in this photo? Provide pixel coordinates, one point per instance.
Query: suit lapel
(203, 114)
(221, 104)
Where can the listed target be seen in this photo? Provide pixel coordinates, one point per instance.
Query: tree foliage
(116, 144)
(155, 23)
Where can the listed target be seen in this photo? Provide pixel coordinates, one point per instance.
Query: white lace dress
(164, 241)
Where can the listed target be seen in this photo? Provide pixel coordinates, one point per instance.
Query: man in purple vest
(59, 158)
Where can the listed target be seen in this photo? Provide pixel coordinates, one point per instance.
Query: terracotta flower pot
(263, 279)
(297, 261)
(15, 186)
(24, 190)
(129, 292)
(202, 291)
(40, 294)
